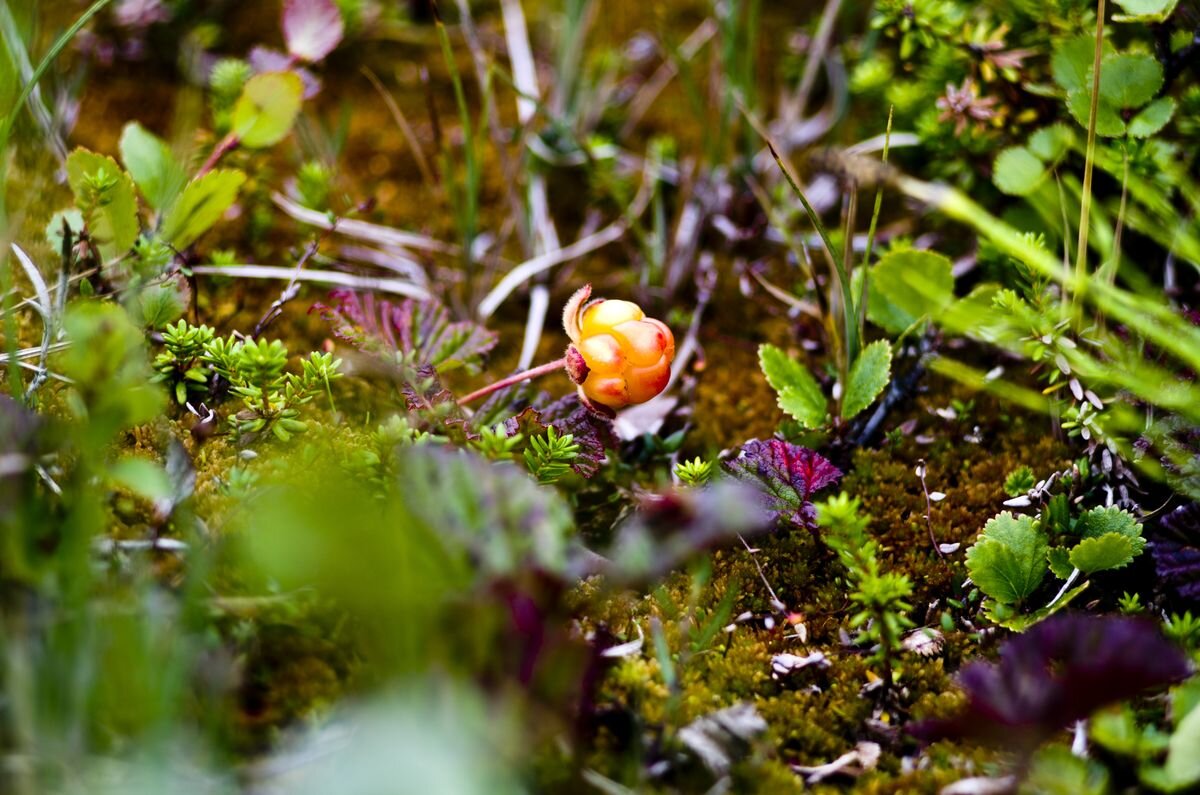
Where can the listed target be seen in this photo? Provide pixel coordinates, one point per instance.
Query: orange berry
(627, 355)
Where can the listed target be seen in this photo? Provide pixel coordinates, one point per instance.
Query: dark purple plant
(594, 434)
(1060, 671)
(1176, 550)
(789, 475)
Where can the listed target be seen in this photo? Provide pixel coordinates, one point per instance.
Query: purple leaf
(1176, 550)
(592, 433)
(1060, 671)
(787, 474)
(311, 28)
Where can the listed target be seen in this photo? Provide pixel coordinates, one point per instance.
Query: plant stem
(227, 145)
(516, 378)
(1086, 201)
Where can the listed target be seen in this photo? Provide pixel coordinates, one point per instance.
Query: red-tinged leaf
(1060, 671)
(789, 475)
(311, 28)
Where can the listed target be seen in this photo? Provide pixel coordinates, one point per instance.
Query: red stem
(227, 145)
(516, 378)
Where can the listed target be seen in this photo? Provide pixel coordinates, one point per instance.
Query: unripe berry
(626, 356)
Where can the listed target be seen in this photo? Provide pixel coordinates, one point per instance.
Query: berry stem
(515, 378)
(226, 145)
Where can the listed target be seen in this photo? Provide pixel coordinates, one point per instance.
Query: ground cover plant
(496, 396)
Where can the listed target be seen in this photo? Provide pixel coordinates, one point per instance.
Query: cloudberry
(618, 356)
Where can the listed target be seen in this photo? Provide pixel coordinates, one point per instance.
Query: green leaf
(1183, 763)
(143, 477)
(1005, 616)
(1008, 562)
(1101, 521)
(1130, 80)
(1018, 171)
(908, 285)
(156, 305)
(1152, 118)
(868, 377)
(798, 393)
(1057, 771)
(268, 106)
(202, 204)
(1109, 123)
(1145, 11)
(1059, 559)
(1072, 62)
(54, 230)
(153, 167)
(111, 217)
(1051, 143)
(1109, 551)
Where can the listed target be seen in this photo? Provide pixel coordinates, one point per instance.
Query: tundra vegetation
(498, 396)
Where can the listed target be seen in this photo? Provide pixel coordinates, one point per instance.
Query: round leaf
(1018, 171)
(1152, 118)
(268, 106)
(908, 285)
(1051, 143)
(1130, 80)
(1109, 123)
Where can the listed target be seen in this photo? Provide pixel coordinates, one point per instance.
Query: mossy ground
(292, 668)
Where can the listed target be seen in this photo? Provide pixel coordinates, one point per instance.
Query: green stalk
(1081, 248)
(849, 313)
(469, 210)
(866, 261)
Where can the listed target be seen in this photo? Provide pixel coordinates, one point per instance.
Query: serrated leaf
(908, 285)
(421, 330)
(1109, 123)
(311, 28)
(1109, 551)
(787, 474)
(267, 108)
(1151, 119)
(1008, 562)
(1145, 11)
(156, 305)
(1051, 143)
(1101, 521)
(1018, 171)
(1130, 80)
(201, 205)
(152, 165)
(868, 376)
(1059, 559)
(113, 224)
(1072, 61)
(1005, 615)
(798, 393)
